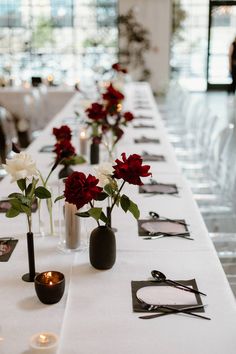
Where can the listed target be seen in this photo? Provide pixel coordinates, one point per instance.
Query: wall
(156, 16)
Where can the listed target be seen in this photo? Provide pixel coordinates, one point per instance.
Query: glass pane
(66, 38)
(222, 35)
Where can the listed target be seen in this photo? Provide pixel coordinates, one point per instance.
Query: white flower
(20, 166)
(103, 172)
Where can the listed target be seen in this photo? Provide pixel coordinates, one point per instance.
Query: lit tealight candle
(50, 286)
(83, 142)
(45, 342)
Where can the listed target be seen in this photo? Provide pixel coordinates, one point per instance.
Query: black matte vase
(29, 277)
(94, 154)
(102, 248)
(65, 172)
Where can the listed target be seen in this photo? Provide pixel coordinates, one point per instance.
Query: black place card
(5, 205)
(47, 148)
(160, 293)
(159, 188)
(145, 140)
(155, 227)
(6, 249)
(153, 157)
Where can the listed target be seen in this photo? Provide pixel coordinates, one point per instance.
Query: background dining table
(96, 314)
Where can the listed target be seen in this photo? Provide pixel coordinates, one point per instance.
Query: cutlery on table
(155, 215)
(160, 277)
(172, 310)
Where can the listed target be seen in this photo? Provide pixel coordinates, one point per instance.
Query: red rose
(62, 133)
(117, 67)
(80, 190)
(64, 149)
(96, 112)
(113, 95)
(131, 169)
(128, 116)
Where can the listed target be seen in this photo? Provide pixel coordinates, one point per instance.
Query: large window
(190, 40)
(63, 38)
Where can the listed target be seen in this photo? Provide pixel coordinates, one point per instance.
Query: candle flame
(83, 134)
(43, 338)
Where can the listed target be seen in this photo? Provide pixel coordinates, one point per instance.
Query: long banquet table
(95, 315)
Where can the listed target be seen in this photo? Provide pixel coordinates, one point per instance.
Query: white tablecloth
(95, 314)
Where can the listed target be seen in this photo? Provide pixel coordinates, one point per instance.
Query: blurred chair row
(24, 113)
(205, 145)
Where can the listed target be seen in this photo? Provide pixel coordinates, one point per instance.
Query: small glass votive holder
(44, 343)
(49, 286)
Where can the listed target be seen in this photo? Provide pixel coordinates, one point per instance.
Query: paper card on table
(141, 116)
(47, 148)
(163, 295)
(145, 126)
(145, 227)
(158, 188)
(6, 249)
(5, 205)
(155, 293)
(153, 158)
(145, 140)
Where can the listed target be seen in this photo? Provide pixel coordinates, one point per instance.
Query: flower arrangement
(23, 171)
(82, 190)
(107, 119)
(65, 151)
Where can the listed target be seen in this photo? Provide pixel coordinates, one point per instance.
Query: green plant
(134, 43)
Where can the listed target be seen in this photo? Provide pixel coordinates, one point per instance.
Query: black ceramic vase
(66, 171)
(102, 248)
(29, 277)
(94, 154)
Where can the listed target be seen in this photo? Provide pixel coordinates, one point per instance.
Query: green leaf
(125, 203)
(59, 198)
(28, 189)
(42, 193)
(108, 188)
(11, 213)
(103, 217)
(22, 184)
(95, 213)
(16, 204)
(15, 195)
(134, 210)
(83, 214)
(101, 196)
(26, 209)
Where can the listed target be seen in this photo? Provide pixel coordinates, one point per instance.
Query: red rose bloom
(128, 116)
(96, 112)
(113, 95)
(64, 149)
(62, 133)
(131, 169)
(80, 190)
(117, 67)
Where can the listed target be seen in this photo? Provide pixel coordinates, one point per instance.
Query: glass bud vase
(45, 216)
(102, 248)
(70, 234)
